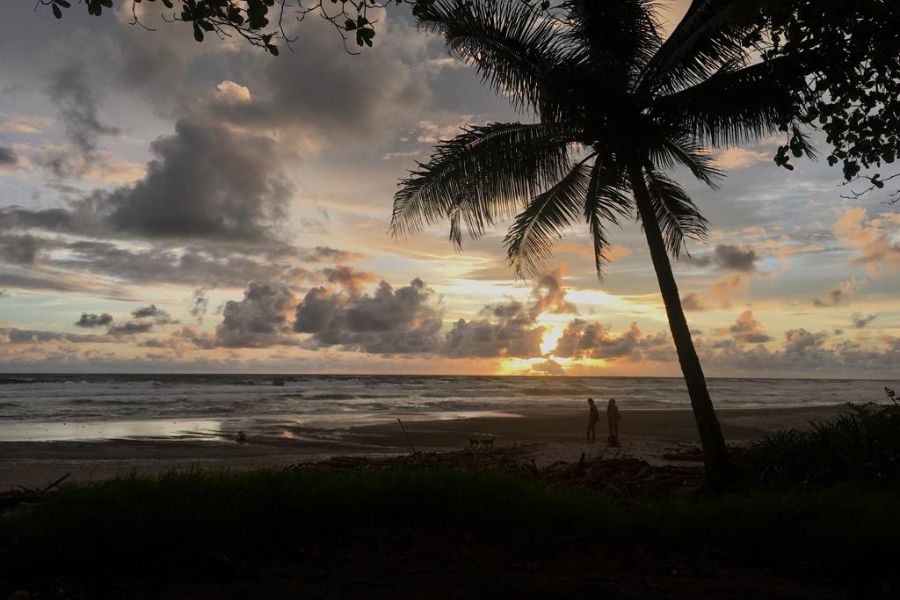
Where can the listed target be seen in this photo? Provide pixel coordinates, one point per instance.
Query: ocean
(96, 406)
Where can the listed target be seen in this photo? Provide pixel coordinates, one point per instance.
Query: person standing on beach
(613, 416)
(593, 418)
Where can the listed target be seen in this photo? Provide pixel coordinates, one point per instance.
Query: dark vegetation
(817, 515)
(472, 531)
(860, 447)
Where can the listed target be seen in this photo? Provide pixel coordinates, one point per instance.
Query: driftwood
(22, 495)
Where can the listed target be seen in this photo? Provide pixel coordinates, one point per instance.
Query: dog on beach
(486, 443)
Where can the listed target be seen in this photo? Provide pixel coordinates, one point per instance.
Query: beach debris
(22, 494)
(406, 433)
(620, 476)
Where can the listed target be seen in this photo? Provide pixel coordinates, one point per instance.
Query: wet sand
(550, 435)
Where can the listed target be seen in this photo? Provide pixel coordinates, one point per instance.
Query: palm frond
(735, 107)
(708, 39)
(677, 215)
(483, 173)
(670, 152)
(512, 46)
(606, 201)
(621, 37)
(530, 238)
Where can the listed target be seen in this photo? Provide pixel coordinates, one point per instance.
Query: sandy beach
(549, 435)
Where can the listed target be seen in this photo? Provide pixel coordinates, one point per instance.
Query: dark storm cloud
(205, 182)
(859, 321)
(260, 320)
(54, 219)
(19, 249)
(93, 320)
(332, 93)
(729, 257)
(8, 156)
(389, 321)
(506, 330)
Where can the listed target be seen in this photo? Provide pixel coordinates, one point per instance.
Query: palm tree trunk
(718, 466)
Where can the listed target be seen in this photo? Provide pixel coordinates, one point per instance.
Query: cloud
(13, 335)
(747, 330)
(20, 250)
(740, 158)
(348, 278)
(159, 316)
(549, 296)
(8, 156)
(803, 352)
(507, 330)
(871, 238)
(71, 91)
(586, 339)
(25, 124)
(549, 367)
(389, 321)
(859, 321)
(90, 320)
(190, 266)
(511, 329)
(199, 304)
(693, 302)
(322, 96)
(802, 342)
(45, 281)
(327, 254)
(205, 182)
(131, 328)
(729, 286)
(730, 257)
(839, 296)
(260, 320)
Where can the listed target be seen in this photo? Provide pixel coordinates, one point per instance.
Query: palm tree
(617, 106)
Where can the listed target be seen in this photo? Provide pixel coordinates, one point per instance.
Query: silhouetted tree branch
(261, 23)
(851, 50)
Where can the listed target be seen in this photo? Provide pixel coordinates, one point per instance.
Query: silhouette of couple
(613, 417)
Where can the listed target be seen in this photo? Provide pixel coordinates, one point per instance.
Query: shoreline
(550, 435)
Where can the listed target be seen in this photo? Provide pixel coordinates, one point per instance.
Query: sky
(173, 206)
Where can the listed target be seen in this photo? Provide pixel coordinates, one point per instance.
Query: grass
(130, 520)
